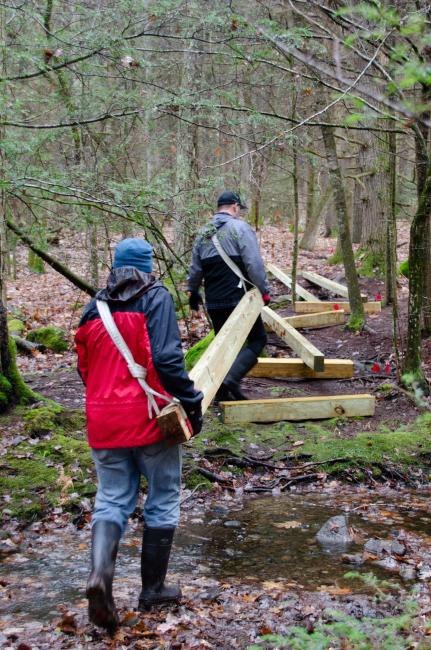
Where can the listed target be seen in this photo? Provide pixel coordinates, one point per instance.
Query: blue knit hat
(134, 252)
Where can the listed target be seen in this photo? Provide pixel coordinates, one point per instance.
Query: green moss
(15, 326)
(5, 391)
(35, 263)
(42, 420)
(57, 470)
(406, 446)
(371, 264)
(336, 258)
(403, 268)
(355, 323)
(193, 355)
(194, 480)
(13, 389)
(53, 338)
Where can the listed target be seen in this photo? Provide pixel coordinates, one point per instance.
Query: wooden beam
(333, 369)
(306, 350)
(331, 285)
(216, 362)
(287, 280)
(297, 408)
(317, 320)
(313, 307)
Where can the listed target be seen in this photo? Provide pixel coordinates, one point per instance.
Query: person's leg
(118, 483)
(161, 465)
(246, 359)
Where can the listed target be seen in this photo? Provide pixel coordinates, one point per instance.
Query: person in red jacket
(123, 433)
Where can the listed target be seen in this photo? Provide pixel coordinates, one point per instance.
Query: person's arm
(166, 351)
(195, 274)
(252, 259)
(81, 349)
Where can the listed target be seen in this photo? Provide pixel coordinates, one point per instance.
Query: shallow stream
(248, 540)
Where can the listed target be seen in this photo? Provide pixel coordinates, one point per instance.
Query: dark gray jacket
(222, 285)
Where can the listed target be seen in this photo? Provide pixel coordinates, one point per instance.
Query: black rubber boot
(245, 360)
(105, 537)
(156, 549)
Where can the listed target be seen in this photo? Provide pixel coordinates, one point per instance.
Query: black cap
(229, 198)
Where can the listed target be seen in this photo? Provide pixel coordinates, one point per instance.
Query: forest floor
(253, 500)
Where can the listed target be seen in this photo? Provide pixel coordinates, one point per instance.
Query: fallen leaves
(286, 525)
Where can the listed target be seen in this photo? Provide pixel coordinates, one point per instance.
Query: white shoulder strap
(137, 371)
(231, 264)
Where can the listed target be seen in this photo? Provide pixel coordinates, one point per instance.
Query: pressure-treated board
(306, 350)
(297, 408)
(287, 280)
(333, 369)
(331, 285)
(312, 307)
(317, 320)
(217, 359)
(321, 281)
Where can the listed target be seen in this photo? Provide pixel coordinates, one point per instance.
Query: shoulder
(90, 312)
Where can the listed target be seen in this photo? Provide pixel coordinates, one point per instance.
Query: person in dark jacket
(123, 433)
(223, 287)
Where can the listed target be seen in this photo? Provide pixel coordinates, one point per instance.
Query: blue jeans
(119, 472)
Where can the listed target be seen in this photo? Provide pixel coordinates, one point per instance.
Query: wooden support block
(317, 320)
(173, 425)
(334, 287)
(306, 350)
(313, 307)
(287, 280)
(217, 359)
(333, 369)
(297, 408)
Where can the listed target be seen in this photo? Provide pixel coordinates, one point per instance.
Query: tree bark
(357, 318)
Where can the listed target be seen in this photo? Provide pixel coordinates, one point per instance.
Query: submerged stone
(383, 547)
(335, 532)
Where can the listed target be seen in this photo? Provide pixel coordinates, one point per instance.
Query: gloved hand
(195, 418)
(266, 299)
(195, 299)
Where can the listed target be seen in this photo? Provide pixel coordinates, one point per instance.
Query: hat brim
(242, 206)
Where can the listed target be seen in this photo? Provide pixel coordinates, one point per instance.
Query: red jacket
(116, 405)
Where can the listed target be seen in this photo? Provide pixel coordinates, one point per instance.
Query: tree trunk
(391, 229)
(371, 207)
(311, 232)
(357, 318)
(12, 388)
(295, 224)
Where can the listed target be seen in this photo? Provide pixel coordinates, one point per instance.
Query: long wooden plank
(297, 408)
(312, 307)
(333, 369)
(321, 281)
(311, 356)
(331, 285)
(287, 280)
(317, 320)
(216, 361)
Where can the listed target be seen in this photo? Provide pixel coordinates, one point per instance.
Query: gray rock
(382, 547)
(388, 563)
(232, 523)
(335, 532)
(407, 572)
(424, 573)
(353, 558)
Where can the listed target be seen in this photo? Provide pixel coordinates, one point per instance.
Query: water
(251, 548)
